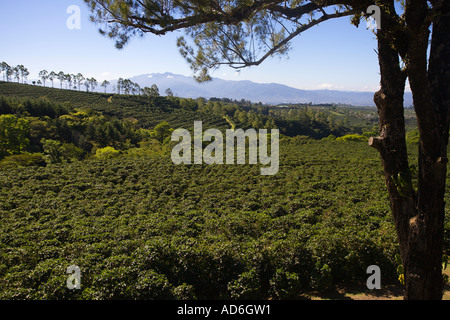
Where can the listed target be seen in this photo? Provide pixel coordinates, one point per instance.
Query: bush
(71, 152)
(22, 160)
(53, 150)
(13, 135)
(152, 285)
(184, 292)
(285, 284)
(247, 286)
(413, 137)
(352, 137)
(106, 153)
(146, 228)
(331, 137)
(321, 278)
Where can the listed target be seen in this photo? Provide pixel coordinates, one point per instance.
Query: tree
(4, 67)
(9, 73)
(151, 92)
(74, 80)
(53, 150)
(87, 84)
(69, 78)
(119, 85)
(136, 88)
(24, 74)
(80, 79)
(16, 73)
(52, 76)
(44, 76)
(19, 69)
(93, 83)
(106, 153)
(154, 91)
(61, 77)
(169, 92)
(105, 84)
(13, 135)
(162, 131)
(245, 33)
(126, 86)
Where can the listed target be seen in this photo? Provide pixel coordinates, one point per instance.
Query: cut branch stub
(376, 142)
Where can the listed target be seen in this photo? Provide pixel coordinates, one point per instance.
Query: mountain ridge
(270, 93)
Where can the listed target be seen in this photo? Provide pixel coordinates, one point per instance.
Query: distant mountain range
(271, 93)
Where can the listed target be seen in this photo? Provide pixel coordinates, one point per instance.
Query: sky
(333, 55)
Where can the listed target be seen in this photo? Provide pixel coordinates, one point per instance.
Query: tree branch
(300, 29)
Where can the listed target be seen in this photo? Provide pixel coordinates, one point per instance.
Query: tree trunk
(423, 271)
(418, 216)
(391, 141)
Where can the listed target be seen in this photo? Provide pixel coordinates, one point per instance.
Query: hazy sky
(333, 55)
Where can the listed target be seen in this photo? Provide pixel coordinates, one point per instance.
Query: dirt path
(392, 292)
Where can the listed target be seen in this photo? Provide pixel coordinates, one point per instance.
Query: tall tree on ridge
(105, 84)
(69, 80)
(16, 73)
(61, 77)
(24, 73)
(93, 83)
(119, 85)
(74, 79)
(44, 76)
(87, 84)
(3, 68)
(136, 88)
(52, 76)
(80, 79)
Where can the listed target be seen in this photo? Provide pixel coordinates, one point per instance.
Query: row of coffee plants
(142, 227)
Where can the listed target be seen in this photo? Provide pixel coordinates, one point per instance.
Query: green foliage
(39, 107)
(322, 277)
(106, 153)
(147, 113)
(13, 135)
(53, 151)
(445, 277)
(153, 91)
(412, 137)
(331, 137)
(22, 160)
(352, 137)
(162, 131)
(400, 269)
(71, 152)
(141, 227)
(247, 286)
(147, 148)
(314, 121)
(285, 285)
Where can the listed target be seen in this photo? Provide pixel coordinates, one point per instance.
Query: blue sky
(333, 55)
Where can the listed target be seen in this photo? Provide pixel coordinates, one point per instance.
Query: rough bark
(422, 263)
(418, 216)
(391, 141)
